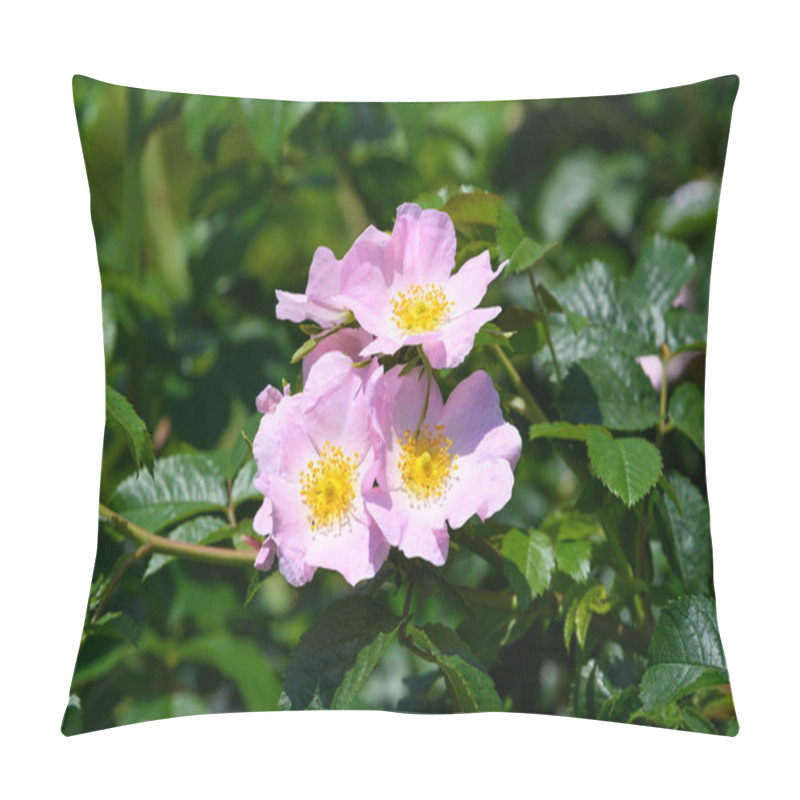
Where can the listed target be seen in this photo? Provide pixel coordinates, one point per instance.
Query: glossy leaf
(194, 531)
(610, 390)
(664, 266)
(330, 649)
(528, 563)
(685, 531)
(121, 417)
(180, 487)
(470, 686)
(628, 467)
(685, 653)
(687, 411)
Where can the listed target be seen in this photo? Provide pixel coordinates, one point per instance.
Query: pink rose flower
(316, 455)
(459, 463)
(402, 289)
(321, 302)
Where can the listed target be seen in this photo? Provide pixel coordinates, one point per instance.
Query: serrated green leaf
(664, 266)
(121, 418)
(610, 390)
(509, 231)
(470, 686)
(367, 659)
(116, 625)
(687, 411)
(628, 467)
(592, 600)
(686, 534)
(180, 487)
(528, 563)
(685, 330)
(194, 531)
(685, 653)
(526, 254)
(242, 488)
(574, 558)
(330, 648)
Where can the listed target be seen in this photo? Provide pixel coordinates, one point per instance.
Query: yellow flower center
(425, 462)
(421, 309)
(327, 487)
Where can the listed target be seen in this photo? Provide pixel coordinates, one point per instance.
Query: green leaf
(691, 208)
(685, 653)
(686, 533)
(180, 487)
(610, 390)
(687, 411)
(72, 723)
(591, 601)
(526, 254)
(470, 686)
(122, 419)
(329, 649)
(367, 659)
(270, 122)
(116, 625)
(685, 330)
(528, 563)
(574, 558)
(619, 189)
(621, 707)
(628, 467)
(195, 531)
(559, 430)
(243, 488)
(509, 231)
(567, 193)
(664, 266)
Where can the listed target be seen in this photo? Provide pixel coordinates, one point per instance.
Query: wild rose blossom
(320, 302)
(401, 289)
(459, 462)
(315, 455)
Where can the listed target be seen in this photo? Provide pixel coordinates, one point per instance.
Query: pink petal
(366, 292)
(455, 339)
(468, 286)
(472, 411)
(299, 307)
(356, 552)
(324, 276)
(281, 446)
(483, 488)
(269, 398)
(423, 244)
(429, 543)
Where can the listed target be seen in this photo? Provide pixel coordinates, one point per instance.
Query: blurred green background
(203, 206)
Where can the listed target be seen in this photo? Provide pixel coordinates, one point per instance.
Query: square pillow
(404, 407)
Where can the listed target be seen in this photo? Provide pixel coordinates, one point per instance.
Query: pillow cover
(404, 391)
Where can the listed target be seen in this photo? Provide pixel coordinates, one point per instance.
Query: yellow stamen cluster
(327, 486)
(421, 309)
(425, 462)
